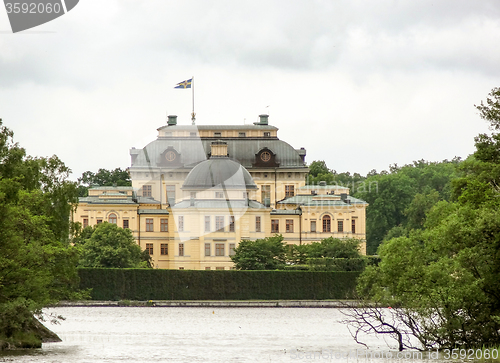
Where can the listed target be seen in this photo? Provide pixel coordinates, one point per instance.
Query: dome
(219, 172)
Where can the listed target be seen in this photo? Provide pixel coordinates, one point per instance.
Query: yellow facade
(186, 220)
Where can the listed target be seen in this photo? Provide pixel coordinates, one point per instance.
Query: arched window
(327, 223)
(112, 218)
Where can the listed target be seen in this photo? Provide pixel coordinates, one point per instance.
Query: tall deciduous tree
(103, 177)
(37, 264)
(262, 254)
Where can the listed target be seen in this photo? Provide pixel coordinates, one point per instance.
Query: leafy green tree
(444, 279)
(262, 254)
(110, 246)
(37, 264)
(103, 177)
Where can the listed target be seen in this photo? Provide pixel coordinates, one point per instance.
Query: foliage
(109, 246)
(262, 254)
(159, 284)
(318, 171)
(444, 279)
(103, 177)
(37, 264)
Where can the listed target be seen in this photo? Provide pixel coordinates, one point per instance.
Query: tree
(109, 246)
(37, 264)
(262, 254)
(103, 177)
(443, 281)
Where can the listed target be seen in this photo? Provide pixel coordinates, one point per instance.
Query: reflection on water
(152, 334)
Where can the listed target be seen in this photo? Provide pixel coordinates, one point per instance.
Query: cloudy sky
(359, 84)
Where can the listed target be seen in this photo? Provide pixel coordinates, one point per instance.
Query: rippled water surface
(154, 334)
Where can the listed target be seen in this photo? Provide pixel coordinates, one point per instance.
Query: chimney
(218, 149)
(172, 120)
(263, 120)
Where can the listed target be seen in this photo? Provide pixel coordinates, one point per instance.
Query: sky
(361, 85)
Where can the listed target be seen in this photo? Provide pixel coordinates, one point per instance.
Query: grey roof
(127, 188)
(97, 200)
(194, 150)
(219, 204)
(286, 212)
(315, 200)
(219, 172)
(317, 187)
(153, 211)
(216, 127)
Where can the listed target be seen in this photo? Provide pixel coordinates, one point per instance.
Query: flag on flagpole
(184, 84)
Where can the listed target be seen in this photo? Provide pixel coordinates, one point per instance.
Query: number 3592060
(33, 8)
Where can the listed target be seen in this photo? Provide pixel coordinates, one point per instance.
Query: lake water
(155, 334)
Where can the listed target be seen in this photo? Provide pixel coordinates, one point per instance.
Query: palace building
(199, 190)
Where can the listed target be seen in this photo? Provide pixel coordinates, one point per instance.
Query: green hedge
(153, 284)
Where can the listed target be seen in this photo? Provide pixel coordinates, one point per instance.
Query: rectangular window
(207, 268)
(181, 249)
(149, 225)
(232, 246)
(180, 225)
(257, 224)
(192, 195)
(149, 248)
(267, 134)
(125, 223)
(85, 222)
(242, 134)
(219, 195)
(340, 226)
(353, 226)
(164, 225)
(219, 268)
(99, 220)
(164, 249)
(219, 223)
(207, 249)
(265, 195)
(289, 226)
(275, 226)
(219, 249)
(146, 190)
(313, 226)
(289, 191)
(170, 194)
(181, 268)
(231, 223)
(217, 134)
(207, 224)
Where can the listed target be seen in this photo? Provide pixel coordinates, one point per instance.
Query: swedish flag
(184, 84)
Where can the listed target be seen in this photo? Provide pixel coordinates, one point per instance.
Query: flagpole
(193, 114)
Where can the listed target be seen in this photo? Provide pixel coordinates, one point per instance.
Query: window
(181, 268)
(170, 194)
(85, 222)
(275, 226)
(327, 224)
(192, 195)
(180, 225)
(219, 195)
(289, 226)
(267, 134)
(219, 249)
(181, 249)
(164, 225)
(99, 220)
(219, 223)
(257, 224)
(146, 190)
(164, 249)
(112, 218)
(207, 223)
(353, 226)
(245, 195)
(289, 191)
(231, 249)
(149, 248)
(242, 134)
(207, 268)
(340, 226)
(219, 268)
(265, 195)
(313, 226)
(217, 134)
(207, 249)
(149, 225)
(231, 223)
(125, 223)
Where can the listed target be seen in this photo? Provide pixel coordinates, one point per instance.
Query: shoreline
(215, 303)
